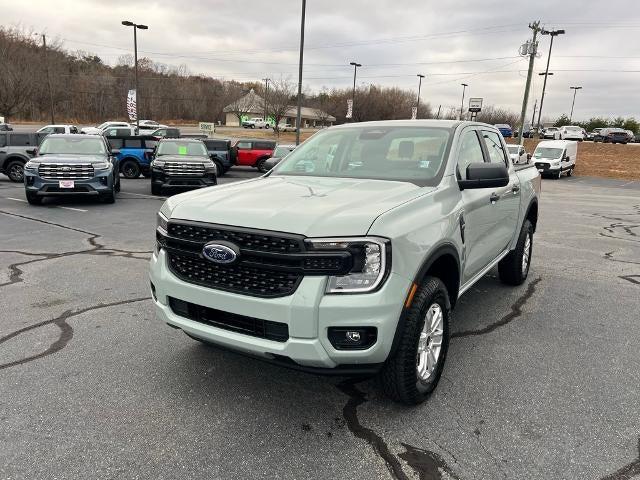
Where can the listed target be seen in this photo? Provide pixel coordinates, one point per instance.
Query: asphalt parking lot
(541, 381)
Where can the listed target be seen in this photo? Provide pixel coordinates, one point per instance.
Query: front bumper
(158, 177)
(308, 313)
(101, 183)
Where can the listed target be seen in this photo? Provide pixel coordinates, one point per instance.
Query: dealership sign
(132, 109)
(475, 105)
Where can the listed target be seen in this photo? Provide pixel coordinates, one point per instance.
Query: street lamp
(420, 76)
(553, 34)
(575, 90)
(353, 96)
(464, 87)
(135, 26)
(46, 64)
(299, 107)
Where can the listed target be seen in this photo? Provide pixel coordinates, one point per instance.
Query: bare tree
(279, 100)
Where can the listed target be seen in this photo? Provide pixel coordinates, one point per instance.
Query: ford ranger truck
(349, 255)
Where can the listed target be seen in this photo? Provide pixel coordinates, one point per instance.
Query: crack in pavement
(609, 256)
(516, 311)
(628, 471)
(96, 249)
(66, 331)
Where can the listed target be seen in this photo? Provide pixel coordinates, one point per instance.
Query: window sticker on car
(182, 150)
(424, 164)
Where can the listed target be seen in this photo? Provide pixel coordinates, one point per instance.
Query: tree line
(629, 123)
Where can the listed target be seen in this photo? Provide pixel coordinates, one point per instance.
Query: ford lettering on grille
(217, 253)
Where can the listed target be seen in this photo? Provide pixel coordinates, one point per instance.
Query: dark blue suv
(71, 164)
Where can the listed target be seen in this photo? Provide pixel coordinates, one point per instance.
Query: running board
(482, 273)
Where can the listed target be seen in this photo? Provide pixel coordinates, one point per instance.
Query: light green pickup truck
(348, 257)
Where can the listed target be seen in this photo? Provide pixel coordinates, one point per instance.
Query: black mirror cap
(528, 156)
(485, 175)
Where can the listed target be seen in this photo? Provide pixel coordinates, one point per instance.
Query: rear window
(132, 143)
(264, 145)
(216, 145)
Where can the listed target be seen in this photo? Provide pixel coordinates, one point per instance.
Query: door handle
(515, 188)
(494, 197)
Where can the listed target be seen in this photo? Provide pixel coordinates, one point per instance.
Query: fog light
(352, 338)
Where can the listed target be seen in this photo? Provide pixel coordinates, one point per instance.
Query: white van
(555, 157)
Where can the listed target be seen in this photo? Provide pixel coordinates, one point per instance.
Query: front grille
(66, 171)
(263, 242)
(269, 264)
(256, 327)
(184, 169)
(236, 278)
(544, 166)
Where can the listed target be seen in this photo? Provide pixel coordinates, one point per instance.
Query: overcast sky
(449, 41)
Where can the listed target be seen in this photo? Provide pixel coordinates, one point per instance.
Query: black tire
(569, 172)
(15, 171)
(156, 189)
(130, 169)
(33, 198)
(510, 268)
(111, 196)
(260, 165)
(399, 377)
(220, 171)
(118, 184)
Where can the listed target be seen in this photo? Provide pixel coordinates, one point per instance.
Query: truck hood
(311, 206)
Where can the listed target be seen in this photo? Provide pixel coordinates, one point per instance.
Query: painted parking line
(54, 206)
(143, 195)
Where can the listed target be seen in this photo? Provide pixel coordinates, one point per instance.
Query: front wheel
(412, 373)
(262, 168)
(514, 268)
(111, 196)
(569, 172)
(15, 171)
(33, 198)
(156, 189)
(220, 171)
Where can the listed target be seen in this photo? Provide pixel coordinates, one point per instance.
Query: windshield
(280, 152)
(413, 154)
(182, 148)
(543, 152)
(73, 146)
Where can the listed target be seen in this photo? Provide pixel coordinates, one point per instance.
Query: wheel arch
(532, 213)
(15, 157)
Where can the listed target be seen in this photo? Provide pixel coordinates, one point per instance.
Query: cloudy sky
(450, 41)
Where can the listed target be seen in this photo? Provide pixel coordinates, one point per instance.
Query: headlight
(101, 166)
(209, 165)
(163, 224)
(371, 262)
(31, 165)
(157, 163)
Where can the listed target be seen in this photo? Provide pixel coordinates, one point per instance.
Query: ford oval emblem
(218, 253)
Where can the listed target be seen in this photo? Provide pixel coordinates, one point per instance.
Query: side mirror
(528, 156)
(566, 158)
(115, 151)
(32, 151)
(485, 175)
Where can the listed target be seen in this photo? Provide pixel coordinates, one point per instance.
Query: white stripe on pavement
(16, 199)
(54, 206)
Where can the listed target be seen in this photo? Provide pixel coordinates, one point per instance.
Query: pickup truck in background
(253, 153)
(349, 255)
(16, 149)
(257, 122)
(134, 154)
(220, 152)
(58, 129)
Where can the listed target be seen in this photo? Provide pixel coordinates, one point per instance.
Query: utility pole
(546, 75)
(575, 90)
(438, 115)
(420, 76)
(46, 65)
(531, 49)
(266, 89)
(553, 34)
(353, 95)
(464, 87)
(299, 114)
(535, 107)
(136, 26)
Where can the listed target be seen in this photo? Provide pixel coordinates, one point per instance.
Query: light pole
(546, 74)
(420, 76)
(299, 112)
(353, 95)
(575, 90)
(464, 87)
(266, 91)
(553, 34)
(46, 64)
(136, 26)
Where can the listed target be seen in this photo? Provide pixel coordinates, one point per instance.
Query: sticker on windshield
(182, 150)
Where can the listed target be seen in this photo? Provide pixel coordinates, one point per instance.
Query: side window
(132, 143)
(494, 147)
(3, 141)
(20, 140)
(74, 129)
(46, 130)
(116, 143)
(470, 152)
(244, 145)
(58, 130)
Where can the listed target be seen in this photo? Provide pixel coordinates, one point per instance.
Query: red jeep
(253, 153)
